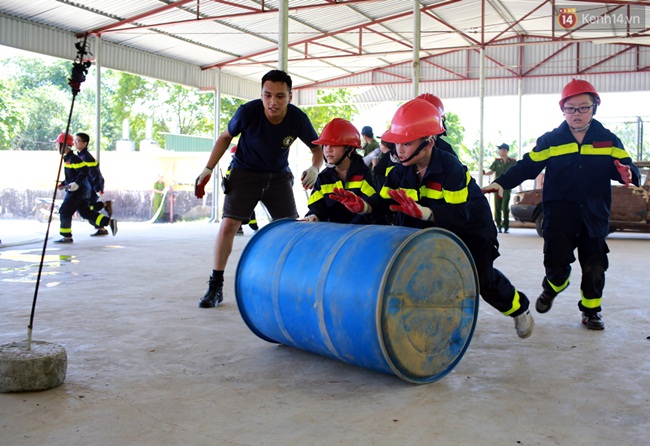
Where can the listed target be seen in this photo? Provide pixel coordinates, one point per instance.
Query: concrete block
(40, 368)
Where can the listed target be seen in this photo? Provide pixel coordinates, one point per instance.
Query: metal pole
(79, 71)
(519, 144)
(417, 20)
(216, 191)
(98, 95)
(283, 34)
(482, 115)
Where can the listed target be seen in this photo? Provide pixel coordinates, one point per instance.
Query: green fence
(187, 143)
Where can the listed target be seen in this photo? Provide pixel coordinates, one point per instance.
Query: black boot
(593, 321)
(213, 296)
(544, 302)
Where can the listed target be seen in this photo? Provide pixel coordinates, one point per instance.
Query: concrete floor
(147, 366)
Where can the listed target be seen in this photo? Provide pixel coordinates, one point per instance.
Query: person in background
(581, 158)
(370, 145)
(95, 180)
(77, 192)
(267, 128)
(431, 188)
(502, 204)
(383, 163)
(344, 191)
(158, 208)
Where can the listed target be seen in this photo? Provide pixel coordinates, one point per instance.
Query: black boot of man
(214, 295)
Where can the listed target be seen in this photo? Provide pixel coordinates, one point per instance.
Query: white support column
(216, 187)
(98, 95)
(417, 20)
(481, 151)
(283, 34)
(519, 142)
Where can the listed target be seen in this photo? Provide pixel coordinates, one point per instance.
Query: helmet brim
(397, 138)
(327, 142)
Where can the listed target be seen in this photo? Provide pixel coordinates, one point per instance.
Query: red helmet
(576, 87)
(415, 119)
(435, 100)
(61, 138)
(339, 132)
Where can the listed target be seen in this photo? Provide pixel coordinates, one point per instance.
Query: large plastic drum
(392, 299)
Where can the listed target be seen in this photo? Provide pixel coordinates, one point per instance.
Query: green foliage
(11, 122)
(334, 103)
(628, 133)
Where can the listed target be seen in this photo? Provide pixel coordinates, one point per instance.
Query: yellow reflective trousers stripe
(590, 303)
(516, 304)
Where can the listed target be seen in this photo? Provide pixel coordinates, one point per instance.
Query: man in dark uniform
(260, 168)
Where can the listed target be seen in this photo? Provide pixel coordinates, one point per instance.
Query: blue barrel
(392, 299)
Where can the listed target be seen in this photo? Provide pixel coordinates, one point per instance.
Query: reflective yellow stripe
(590, 303)
(409, 192)
(92, 164)
(426, 192)
(552, 151)
(619, 153)
(367, 189)
(98, 220)
(557, 289)
(516, 304)
(353, 184)
(65, 230)
(75, 166)
(614, 152)
(324, 190)
(314, 197)
(383, 193)
(450, 196)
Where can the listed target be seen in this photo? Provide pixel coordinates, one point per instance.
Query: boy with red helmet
(431, 188)
(581, 158)
(345, 172)
(77, 191)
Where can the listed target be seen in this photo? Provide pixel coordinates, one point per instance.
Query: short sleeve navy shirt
(262, 146)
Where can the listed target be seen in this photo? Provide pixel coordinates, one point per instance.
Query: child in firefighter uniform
(429, 187)
(581, 158)
(95, 180)
(77, 192)
(345, 171)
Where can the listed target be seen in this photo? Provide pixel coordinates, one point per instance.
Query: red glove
(624, 172)
(201, 181)
(350, 200)
(493, 187)
(408, 206)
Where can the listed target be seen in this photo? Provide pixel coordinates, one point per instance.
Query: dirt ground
(147, 366)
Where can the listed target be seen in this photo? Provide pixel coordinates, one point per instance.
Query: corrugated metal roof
(347, 42)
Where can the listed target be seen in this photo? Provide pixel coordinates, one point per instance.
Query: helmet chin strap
(393, 154)
(582, 129)
(348, 150)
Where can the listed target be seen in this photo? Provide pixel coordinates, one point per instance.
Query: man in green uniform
(502, 204)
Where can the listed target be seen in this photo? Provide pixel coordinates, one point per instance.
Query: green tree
(333, 103)
(11, 116)
(36, 105)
